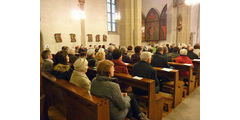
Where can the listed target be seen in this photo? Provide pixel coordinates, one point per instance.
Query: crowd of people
(72, 65)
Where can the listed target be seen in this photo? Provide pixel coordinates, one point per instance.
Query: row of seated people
(76, 73)
(121, 104)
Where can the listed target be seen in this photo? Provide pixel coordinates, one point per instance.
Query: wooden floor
(189, 109)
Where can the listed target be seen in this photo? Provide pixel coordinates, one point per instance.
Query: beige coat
(80, 79)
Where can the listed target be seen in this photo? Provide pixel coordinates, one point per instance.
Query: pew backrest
(76, 103)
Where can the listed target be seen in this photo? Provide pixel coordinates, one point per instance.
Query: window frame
(111, 22)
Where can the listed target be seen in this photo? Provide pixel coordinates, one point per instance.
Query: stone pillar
(131, 22)
(183, 36)
(83, 36)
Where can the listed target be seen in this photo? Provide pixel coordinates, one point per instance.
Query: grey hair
(145, 56)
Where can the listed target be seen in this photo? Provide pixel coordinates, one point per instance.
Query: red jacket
(120, 67)
(184, 59)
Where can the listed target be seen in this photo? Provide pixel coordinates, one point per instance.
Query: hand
(124, 94)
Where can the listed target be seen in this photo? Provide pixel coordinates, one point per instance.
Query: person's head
(165, 50)
(105, 68)
(123, 49)
(91, 53)
(71, 51)
(197, 46)
(150, 49)
(117, 54)
(138, 49)
(82, 52)
(183, 52)
(176, 49)
(130, 48)
(46, 54)
(61, 57)
(81, 65)
(65, 48)
(159, 50)
(146, 56)
(190, 48)
(103, 46)
(110, 48)
(100, 56)
(99, 46)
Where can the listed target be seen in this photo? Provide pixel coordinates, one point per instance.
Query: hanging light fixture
(78, 14)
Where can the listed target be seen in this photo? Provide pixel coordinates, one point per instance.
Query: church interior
(165, 34)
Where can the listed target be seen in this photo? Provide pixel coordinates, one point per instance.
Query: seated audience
(109, 53)
(100, 56)
(72, 57)
(61, 69)
(183, 58)
(191, 54)
(165, 52)
(130, 52)
(174, 53)
(91, 57)
(136, 57)
(196, 49)
(144, 69)
(125, 57)
(47, 65)
(65, 48)
(159, 60)
(79, 77)
(121, 105)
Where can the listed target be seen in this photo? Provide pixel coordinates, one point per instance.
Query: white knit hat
(183, 52)
(80, 64)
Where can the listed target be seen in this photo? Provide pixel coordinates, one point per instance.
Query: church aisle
(189, 109)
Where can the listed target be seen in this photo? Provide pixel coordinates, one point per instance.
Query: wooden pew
(196, 71)
(155, 101)
(191, 78)
(176, 85)
(73, 102)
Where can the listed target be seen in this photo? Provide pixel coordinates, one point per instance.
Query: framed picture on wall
(90, 38)
(104, 38)
(58, 37)
(73, 37)
(97, 38)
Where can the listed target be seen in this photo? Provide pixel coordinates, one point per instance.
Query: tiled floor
(189, 109)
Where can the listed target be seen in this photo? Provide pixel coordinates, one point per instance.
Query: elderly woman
(79, 77)
(183, 58)
(61, 68)
(120, 104)
(100, 56)
(91, 57)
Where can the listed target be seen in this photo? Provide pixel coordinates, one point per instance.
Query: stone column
(183, 36)
(83, 36)
(131, 22)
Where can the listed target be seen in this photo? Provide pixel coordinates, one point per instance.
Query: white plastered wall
(56, 17)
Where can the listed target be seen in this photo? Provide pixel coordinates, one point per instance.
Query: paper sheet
(138, 78)
(196, 59)
(167, 69)
(187, 64)
(126, 63)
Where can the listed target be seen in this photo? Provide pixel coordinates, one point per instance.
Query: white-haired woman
(79, 77)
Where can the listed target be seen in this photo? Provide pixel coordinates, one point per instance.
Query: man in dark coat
(159, 60)
(191, 54)
(145, 70)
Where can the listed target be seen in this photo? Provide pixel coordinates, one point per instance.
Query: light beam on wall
(192, 2)
(78, 14)
(118, 17)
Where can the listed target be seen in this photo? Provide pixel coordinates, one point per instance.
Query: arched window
(111, 15)
(152, 26)
(163, 24)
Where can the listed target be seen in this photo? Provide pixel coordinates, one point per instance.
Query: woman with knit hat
(79, 77)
